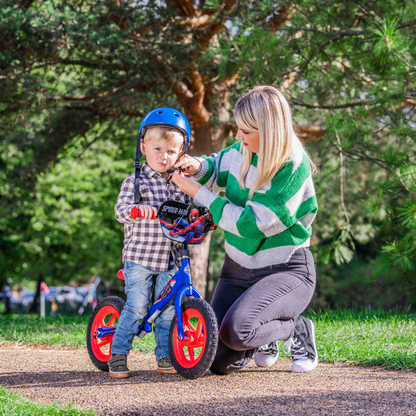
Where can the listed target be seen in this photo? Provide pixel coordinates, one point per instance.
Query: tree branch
(330, 107)
(310, 133)
(288, 80)
(205, 37)
(409, 65)
(183, 7)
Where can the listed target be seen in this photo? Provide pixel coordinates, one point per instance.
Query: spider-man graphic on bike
(194, 231)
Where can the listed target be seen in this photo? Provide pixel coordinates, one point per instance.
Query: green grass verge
(386, 339)
(59, 331)
(366, 337)
(14, 404)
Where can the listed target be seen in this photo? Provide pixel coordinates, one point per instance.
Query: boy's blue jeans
(138, 282)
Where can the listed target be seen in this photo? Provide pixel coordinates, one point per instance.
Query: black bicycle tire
(211, 327)
(117, 303)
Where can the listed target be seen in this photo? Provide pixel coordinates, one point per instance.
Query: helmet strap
(137, 173)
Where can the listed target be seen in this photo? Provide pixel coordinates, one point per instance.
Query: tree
(70, 68)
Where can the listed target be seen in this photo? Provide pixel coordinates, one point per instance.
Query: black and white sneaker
(302, 346)
(266, 355)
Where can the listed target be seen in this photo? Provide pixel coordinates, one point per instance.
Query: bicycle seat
(185, 223)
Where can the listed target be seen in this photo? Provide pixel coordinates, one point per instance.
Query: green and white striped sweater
(267, 229)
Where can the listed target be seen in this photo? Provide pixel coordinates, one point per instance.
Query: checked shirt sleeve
(290, 201)
(125, 202)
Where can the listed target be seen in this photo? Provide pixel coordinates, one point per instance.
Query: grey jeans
(257, 306)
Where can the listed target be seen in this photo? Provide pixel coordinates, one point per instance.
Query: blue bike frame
(179, 286)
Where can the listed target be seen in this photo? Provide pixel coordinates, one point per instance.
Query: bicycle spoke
(112, 319)
(104, 343)
(189, 325)
(191, 354)
(198, 331)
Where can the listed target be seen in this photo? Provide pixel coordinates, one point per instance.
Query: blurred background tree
(77, 77)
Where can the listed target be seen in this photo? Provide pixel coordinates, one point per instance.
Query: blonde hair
(165, 133)
(265, 109)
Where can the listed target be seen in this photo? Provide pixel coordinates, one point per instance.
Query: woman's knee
(233, 336)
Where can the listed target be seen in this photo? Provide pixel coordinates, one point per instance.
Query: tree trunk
(199, 263)
(207, 103)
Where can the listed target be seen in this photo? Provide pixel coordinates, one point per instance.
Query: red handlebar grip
(120, 274)
(135, 213)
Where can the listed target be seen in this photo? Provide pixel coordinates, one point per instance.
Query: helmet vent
(176, 114)
(160, 112)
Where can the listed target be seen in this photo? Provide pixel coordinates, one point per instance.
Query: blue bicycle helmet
(162, 117)
(167, 117)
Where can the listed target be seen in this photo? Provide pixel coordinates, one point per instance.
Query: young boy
(163, 138)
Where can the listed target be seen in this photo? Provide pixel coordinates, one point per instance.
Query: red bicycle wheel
(105, 315)
(190, 350)
(193, 355)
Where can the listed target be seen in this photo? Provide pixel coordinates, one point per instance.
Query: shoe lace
(295, 346)
(270, 348)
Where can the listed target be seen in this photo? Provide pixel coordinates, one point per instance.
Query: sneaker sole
(296, 369)
(167, 371)
(119, 375)
(262, 364)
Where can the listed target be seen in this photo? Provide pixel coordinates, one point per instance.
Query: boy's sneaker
(165, 365)
(302, 345)
(117, 365)
(266, 355)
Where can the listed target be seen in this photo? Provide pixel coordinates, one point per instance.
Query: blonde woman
(268, 276)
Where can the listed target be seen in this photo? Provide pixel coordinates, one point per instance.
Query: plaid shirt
(144, 241)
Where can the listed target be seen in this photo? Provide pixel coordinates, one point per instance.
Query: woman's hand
(188, 185)
(189, 165)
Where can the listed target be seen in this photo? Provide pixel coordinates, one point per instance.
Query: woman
(268, 276)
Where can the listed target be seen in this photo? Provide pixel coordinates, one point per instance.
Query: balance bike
(193, 336)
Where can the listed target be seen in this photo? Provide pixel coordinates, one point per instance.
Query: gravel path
(68, 376)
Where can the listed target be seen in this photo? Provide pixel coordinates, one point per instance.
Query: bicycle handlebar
(135, 213)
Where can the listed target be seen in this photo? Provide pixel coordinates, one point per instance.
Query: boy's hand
(148, 212)
(189, 165)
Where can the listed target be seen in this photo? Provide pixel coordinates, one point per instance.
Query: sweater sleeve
(125, 202)
(270, 211)
(215, 170)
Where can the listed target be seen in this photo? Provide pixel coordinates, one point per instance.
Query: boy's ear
(143, 148)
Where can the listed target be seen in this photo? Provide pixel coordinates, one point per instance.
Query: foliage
(78, 75)
(68, 232)
(14, 404)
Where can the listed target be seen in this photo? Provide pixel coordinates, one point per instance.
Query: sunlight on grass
(55, 332)
(386, 339)
(14, 404)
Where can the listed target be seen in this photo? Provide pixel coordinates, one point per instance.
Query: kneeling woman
(268, 276)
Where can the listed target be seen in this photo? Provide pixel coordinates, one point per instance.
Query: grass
(60, 331)
(367, 338)
(14, 404)
(386, 339)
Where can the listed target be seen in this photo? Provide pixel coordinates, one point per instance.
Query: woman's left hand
(186, 184)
